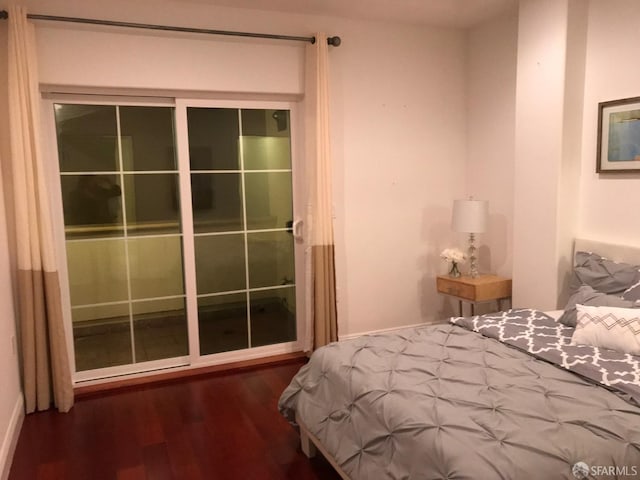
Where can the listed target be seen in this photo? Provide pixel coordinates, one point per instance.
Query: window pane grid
(126, 243)
(164, 235)
(126, 302)
(125, 172)
(276, 170)
(245, 290)
(244, 223)
(236, 232)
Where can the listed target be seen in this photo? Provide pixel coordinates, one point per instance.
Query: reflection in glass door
(241, 195)
(166, 253)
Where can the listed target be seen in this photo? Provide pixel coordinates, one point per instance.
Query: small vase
(454, 271)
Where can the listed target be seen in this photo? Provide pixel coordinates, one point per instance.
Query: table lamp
(470, 216)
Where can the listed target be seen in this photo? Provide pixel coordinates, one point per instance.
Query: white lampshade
(470, 216)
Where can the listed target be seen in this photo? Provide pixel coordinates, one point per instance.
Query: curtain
(45, 363)
(322, 327)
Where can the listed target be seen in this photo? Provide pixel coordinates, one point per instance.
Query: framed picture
(619, 136)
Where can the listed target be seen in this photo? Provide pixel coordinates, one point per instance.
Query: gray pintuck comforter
(444, 401)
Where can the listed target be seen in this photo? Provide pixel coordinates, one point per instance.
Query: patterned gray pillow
(588, 296)
(603, 275)
(632, 293)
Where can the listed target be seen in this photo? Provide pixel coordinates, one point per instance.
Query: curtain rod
(333, 41)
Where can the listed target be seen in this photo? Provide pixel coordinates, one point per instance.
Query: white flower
(453, 255)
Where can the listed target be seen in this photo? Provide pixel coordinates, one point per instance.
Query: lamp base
(473, 266)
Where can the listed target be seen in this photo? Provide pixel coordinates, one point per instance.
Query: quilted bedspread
(443, 401)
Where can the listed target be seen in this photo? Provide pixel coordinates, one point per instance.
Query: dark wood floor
(216, 427)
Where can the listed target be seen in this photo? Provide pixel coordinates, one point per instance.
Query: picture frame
(619, 136)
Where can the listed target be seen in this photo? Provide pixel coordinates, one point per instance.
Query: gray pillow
(588, 296)
(603, 275)
(632, 293)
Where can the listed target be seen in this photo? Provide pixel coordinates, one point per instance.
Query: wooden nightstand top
(483, 288)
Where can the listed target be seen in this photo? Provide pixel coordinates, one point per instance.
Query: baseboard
(111, 385)
(350, 336)
(10, 439)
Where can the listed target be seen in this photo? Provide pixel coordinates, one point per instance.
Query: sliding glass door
(241, 196)
(177, 233)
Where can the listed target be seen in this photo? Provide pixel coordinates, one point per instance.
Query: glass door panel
(155, 267)
(216, 199)
(273, 316)
(160, 329)
(220, 263)
(87, 138)
(222, 323)
(120, 196)
(97, 271)
(93, 207)
(269, 200)
(154, 145)
(213, 138)
(266, 153)
(242, 201)
(101, 336)
(152, 204)
(266, 139)
(271, 260)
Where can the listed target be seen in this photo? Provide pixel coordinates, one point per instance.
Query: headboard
(612, 251)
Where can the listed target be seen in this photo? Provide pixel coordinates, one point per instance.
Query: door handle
(297, 229)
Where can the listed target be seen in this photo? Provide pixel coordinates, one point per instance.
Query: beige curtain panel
(45, 362)
(322, 326)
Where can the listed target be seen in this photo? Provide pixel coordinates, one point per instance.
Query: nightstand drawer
(482, 288)
(456, 288)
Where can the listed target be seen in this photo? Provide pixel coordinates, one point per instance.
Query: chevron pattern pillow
(608, 327)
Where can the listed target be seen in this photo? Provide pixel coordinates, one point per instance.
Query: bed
(497, 396)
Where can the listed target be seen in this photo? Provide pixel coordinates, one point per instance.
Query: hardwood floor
(225, 426)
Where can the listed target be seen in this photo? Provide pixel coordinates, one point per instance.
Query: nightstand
(482, 289)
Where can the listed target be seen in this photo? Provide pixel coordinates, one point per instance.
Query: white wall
(398, 124)
(540, 98)
(491, 86)
(569, 58)
(10, 392)
(569, 206)
(11, 412)
(570, 55)
(401, 129)
(610, 203)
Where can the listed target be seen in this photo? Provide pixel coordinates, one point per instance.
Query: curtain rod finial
(334, 41)
(4, 14)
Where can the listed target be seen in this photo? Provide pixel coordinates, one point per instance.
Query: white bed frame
(617, 252)
(311, 445)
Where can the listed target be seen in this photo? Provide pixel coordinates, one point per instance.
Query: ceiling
(443, 13)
